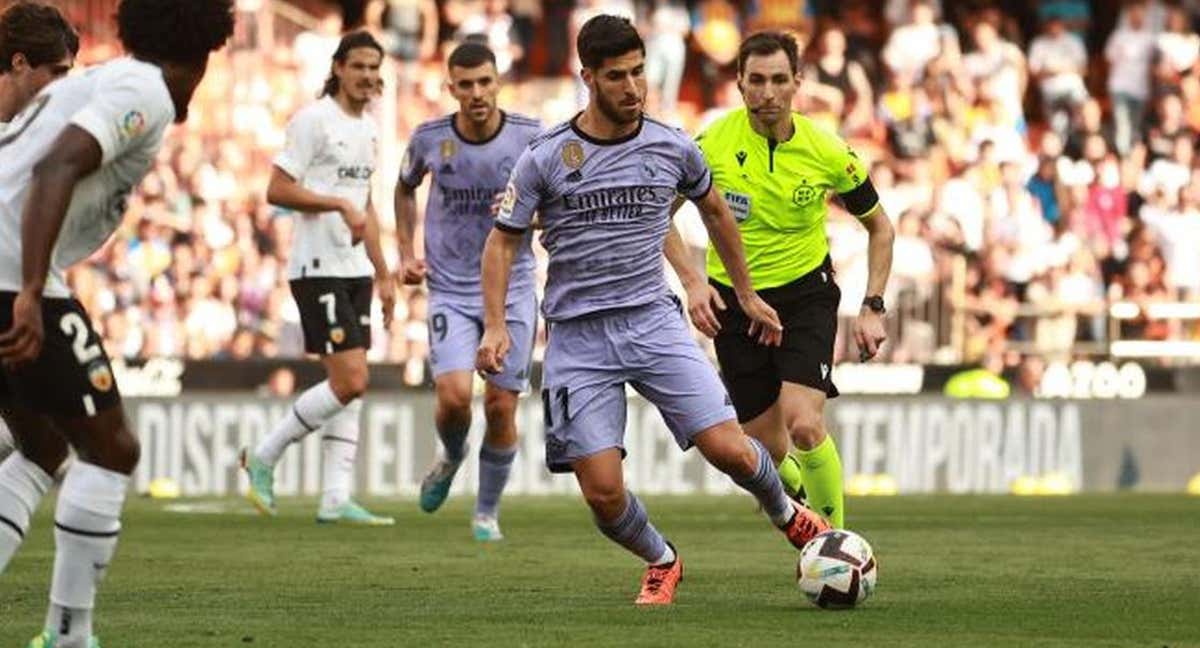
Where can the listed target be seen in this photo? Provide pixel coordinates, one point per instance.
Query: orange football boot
(658, 585)
(805, 525)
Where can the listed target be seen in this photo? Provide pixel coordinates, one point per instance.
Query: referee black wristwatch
(875, 303)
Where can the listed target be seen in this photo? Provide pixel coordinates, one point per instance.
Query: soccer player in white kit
(37, 46)
(71, 159)
(324, 174)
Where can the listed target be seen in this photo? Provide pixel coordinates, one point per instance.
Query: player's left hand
(387, 297)
(869, 334)
(23, 342)
(703, 304)
(493, 347)
(764, 321)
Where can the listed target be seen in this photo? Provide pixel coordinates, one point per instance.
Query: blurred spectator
(313, 49)
(410, 29)
(914, 44)
(1058, 60)
(1088, 124)
(1074, 15)
(999, 64)
(280, 384)
(1129, 52)
(666, 52)
(1176, 227)
(1169, 127)
(1177, 50)
(839, 85)
(493, 25)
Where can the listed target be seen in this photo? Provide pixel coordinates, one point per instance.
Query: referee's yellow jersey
(777, 192)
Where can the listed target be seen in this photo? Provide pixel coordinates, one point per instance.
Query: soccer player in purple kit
(470, 155)
(604, 184)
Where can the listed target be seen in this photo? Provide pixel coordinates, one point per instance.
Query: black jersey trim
(691, 195)
(606, 142)
(509, 229)
(463, 138)
(10, 523)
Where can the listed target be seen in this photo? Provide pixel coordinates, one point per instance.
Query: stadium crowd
(1045, 164)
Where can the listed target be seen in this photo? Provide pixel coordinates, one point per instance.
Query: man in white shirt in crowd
(1129, 52)
(1058, 59)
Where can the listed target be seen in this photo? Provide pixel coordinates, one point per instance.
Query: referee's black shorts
(754, 373)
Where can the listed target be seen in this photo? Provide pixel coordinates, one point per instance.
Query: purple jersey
(605, 209)
(466, 178)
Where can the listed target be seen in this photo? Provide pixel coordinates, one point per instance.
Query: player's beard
(487, 114)
(613, 112)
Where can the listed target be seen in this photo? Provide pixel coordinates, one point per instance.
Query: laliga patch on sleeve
(509, 201)
(739, 204)
(132, 124)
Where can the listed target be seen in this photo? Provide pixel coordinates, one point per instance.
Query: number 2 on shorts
(73, 326)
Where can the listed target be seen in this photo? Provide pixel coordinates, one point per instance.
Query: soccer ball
(837, 570)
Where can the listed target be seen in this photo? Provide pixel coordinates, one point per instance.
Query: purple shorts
(590, 360)
(455, 327)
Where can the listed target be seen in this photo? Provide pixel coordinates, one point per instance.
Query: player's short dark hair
(174, 31)
(767, 43)
(471, 54)
(349, 43)
(38, 31)
(604, 37)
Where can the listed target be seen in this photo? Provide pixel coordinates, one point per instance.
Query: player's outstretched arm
(383, 276)
(284, 191)
(74, 155)
(702, 298)
(723, 231)
(869, 332)
(412, 269)
(498, 254)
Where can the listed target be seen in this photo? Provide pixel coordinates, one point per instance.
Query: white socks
(87, 521)
(22, 485)
(339, 447)
(311, 411)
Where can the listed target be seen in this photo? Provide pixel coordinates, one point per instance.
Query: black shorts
(754, 373)
(335, 312)
(72, 376)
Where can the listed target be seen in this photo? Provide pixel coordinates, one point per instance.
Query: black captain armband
(861, 199)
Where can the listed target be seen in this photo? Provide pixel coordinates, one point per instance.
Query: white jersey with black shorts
(126, 107)
(331, 153)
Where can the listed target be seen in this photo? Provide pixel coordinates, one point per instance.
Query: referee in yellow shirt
(775, 168)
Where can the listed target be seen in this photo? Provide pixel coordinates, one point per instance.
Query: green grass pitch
(954, 571)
